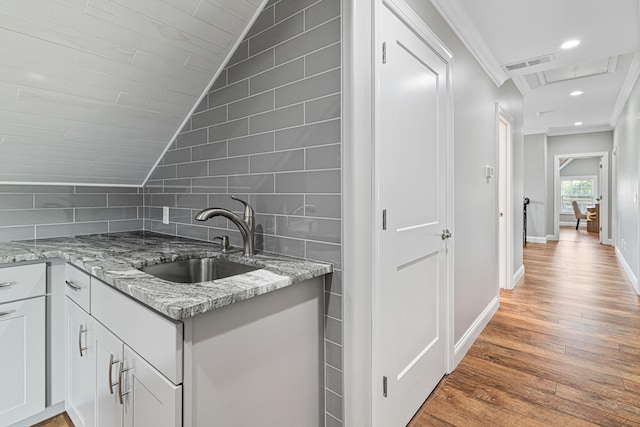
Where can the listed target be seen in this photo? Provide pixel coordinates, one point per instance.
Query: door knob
(446, 234)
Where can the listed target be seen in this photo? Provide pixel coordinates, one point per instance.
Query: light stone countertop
(115, 258)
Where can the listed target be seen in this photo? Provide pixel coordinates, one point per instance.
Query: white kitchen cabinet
(22, 342)
(108, 383)
(81, 365)
(221, 366)
(22, 359)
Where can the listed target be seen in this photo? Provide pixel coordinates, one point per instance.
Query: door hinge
(384, 386)
(384, 219)
(384, 52)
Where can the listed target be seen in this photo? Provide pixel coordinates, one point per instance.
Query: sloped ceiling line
(207, 89)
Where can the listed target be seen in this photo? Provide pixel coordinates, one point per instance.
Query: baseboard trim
(536, 239)
(466, 341)
(49, 412)
(517, 276)
(627, 269)
(551, 238)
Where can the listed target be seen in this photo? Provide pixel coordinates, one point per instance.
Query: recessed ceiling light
(577, 124)
(576, 93)
(569, 44)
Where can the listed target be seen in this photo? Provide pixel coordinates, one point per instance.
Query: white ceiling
(504, 32)
(92, 91)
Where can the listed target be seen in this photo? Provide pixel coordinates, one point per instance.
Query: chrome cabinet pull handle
(111, 383)
(72, 285)
(6, 313)
(7, 284)
(82, 331)
(122, 394)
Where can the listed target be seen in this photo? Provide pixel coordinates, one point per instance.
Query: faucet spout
(244, 225)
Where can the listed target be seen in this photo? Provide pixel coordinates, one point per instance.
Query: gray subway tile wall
(41, 211)
(269, 131)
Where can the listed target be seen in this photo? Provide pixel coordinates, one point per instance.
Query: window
(582, 189)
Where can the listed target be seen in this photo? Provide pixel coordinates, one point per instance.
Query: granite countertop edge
(114, 258)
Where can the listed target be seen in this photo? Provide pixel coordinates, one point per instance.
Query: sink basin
(196, 270)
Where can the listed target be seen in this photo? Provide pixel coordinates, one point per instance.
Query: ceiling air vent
(528, 63)
(516, 66)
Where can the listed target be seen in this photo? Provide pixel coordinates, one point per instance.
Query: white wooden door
(22, 363)
(505, 208)
(413, 251)
(150, 399)
(81, 366)
(109, 354)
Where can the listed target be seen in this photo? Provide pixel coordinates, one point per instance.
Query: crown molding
(627, 88)
(464, 27)
(575, 130)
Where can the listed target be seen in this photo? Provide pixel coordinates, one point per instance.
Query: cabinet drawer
(154, 337)
(22, 281)
(77, 287)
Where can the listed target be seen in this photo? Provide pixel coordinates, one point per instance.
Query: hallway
(563, 349)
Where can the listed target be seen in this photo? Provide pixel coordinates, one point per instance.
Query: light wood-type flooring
(563, 349)
(61, 420)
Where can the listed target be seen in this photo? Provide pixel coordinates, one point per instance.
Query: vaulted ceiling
(521, 40)
(93, 91)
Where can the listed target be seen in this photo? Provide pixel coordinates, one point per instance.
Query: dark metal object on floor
(524, 221)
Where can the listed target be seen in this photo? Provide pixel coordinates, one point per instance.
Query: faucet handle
(248, 209)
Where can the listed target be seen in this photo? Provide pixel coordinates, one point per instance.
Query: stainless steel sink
(196, 270)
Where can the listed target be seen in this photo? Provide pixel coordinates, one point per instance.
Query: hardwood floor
(563, 349)
(61, 420)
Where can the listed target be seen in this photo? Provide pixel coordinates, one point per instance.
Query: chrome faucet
(246, 225)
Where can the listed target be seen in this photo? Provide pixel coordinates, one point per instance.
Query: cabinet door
(22, 362)
(81, 366)
(150, 399)
(108, 360)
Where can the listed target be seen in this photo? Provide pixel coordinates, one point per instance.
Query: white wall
(534, 170)
(627, 160)
(574, 144)
(476, 226)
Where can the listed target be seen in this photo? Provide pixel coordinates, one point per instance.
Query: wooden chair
(579, 215)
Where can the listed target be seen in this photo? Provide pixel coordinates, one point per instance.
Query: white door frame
(505, 194)
(413, 21)
(604, 191)
(357, 209)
